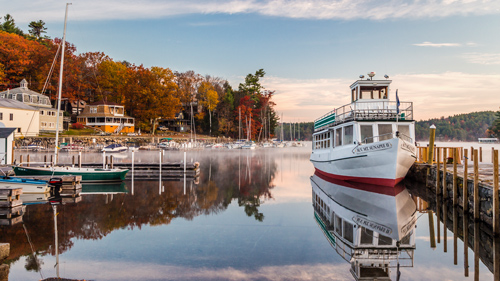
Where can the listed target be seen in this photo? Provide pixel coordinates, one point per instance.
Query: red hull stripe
(377, 185)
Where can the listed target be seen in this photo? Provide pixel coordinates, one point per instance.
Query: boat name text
(373, 147)
(372, 225)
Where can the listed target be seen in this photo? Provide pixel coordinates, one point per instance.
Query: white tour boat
(371, 227)
(370, 140)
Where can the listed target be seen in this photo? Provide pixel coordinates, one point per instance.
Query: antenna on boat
(361, 76)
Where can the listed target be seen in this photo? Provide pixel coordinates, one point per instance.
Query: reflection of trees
(248, 179)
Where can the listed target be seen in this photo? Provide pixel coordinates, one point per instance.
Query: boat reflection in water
(370, 226)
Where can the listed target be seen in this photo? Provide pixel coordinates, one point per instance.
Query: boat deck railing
(363, 111)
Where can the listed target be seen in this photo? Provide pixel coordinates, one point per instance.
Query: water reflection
(371, 227)
(100, 209)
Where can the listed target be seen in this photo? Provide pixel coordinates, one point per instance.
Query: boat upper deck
(365, 111)
(370, 101)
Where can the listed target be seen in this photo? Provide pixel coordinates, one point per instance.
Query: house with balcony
(108, 117)
(48, 114)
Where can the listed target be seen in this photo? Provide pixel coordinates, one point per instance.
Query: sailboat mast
(60, 83)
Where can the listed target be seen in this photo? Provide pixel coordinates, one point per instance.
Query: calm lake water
(249, 216)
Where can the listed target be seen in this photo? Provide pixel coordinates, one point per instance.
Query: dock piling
(432, 136)
(28, 159)
(20, 160)
(445, 161)
(80, 159)
(438, 171)
(477, 200)
(480, 154)
(465, 184)
(496, 215)
(455, 178)
(466, 239)
(111, 161)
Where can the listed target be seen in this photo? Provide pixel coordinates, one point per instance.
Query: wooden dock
(11, 206)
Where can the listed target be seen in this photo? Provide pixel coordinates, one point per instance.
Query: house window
(18, 130)
(42, 112)
(12, 117)
(1, 115)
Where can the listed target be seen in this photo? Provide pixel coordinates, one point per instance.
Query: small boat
(28, 185)
(114, 148)
(370, 140)
(88, 174)
(249, 145)
(72, 148)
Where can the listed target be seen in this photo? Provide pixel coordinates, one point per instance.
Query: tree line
(460, 127)
(148, 94)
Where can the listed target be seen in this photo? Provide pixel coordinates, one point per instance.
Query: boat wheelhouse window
(366, 133)
(384, 132)
(366, 94)
(338, 137)
(366, 236)
(348, 231)
(384, 240)
(348, 134)
(404, 130)
(338, 225)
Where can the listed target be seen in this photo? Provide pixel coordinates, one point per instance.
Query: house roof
(102, 102)
(6, 132)
(22, 89)
(8, 103)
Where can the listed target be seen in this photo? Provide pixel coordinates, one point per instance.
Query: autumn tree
(208, 99)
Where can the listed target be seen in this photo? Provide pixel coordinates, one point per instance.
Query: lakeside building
(48, 114)
(6, 142)
(108, 117)
(15, 114)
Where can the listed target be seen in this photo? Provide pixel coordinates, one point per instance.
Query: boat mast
(60, 84)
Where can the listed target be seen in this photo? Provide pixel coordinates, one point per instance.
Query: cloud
(438, 45)
(109, 270)
(483, 58)
(433, 95)
(53, 10)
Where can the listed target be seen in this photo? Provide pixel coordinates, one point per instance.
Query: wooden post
(20, 160)
(445, 232)
(455, 184)
(465, 185)
(445, 189)
(496, 210)
(476, 245)
(73, 161)
(432, 137)
(106, 162)
(80, 159)
(455, 235)
(45, 160)
(496, 258)
(477, 200)
(492, 152)
(431, 230)
(466, 243)
(28, 159)
(438, 216)
(480, 154)
(438, 171)
(111, 161)
(51, 159)
(471, 153)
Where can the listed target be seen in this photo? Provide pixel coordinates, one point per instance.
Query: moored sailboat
(88, 174)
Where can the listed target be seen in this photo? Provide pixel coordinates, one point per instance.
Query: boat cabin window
(384, 240)
(366, 236)
(348, 231)
(348, 135)
(338, 137)
(366, 133)
(404, 130)
(384, 131)
(406, 239)
(338, 225)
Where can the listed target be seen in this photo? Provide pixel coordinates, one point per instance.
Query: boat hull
(381, 163)
(28, 186)
(88, 174)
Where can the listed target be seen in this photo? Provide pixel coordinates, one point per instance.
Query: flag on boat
(397, 102)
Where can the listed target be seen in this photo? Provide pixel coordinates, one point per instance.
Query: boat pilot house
(108, 117)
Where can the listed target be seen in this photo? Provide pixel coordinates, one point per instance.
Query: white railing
(376, 110)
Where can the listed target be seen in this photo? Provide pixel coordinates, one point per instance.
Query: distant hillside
(462, 127)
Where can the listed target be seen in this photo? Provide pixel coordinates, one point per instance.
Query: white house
(15, 114)
(48, 114)
(6, 142)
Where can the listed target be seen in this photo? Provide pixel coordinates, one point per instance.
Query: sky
(442, 55)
